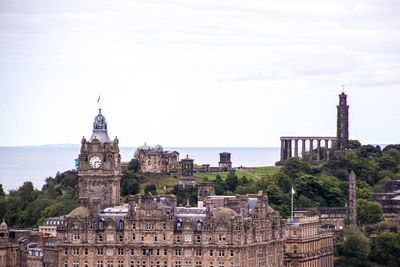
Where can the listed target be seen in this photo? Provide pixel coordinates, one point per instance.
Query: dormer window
(179, 225)
(121, 225)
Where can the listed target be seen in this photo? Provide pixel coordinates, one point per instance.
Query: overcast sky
(198, 73)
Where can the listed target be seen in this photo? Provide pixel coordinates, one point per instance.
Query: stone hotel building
(152, 231)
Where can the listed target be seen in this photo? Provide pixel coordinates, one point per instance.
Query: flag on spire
(293, 191)
(98, 99)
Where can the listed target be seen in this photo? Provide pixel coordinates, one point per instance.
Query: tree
(385, 249)
(295, 168)
(134, 165)
(220, 185)
(232, 181)
(2, 193)
(283, 181)
(130, 187)
(33, 211)
(368, 212)
(150, 188)
(354, 250)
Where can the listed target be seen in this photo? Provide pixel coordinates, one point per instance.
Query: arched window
(179, 225)
(101, 225)
(199, 224)
(121, 225)
(294, 249)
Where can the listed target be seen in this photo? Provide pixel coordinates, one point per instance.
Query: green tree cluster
(28, 207)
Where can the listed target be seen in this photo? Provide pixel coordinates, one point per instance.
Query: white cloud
(196, 73)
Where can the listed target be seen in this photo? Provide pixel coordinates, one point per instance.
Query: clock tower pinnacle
(99, 169)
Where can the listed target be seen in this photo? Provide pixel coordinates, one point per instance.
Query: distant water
(36, 163)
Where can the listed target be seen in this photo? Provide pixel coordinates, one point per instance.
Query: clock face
(95, 162)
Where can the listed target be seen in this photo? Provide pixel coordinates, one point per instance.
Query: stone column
(326, 149)
(352, 200)
(303, 149)
(290, 149)
(311, 149)
(318, 149)
(282, 150)
(296, 148)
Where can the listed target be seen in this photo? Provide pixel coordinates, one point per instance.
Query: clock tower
(99, 169)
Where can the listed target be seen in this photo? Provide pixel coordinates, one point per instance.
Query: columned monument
(333, 146)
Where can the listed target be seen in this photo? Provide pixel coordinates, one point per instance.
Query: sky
(200, 73)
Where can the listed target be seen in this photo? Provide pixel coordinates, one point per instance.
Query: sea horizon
(35, 163)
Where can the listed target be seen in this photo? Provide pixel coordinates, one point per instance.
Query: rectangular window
(158, 252)
(188, 237)
(133, 237)
(177, 264)
(121, 238)
(178, 239)
(99, 251)
(144, 252)
(155, 238)
(198, 251)
(163, 236)
(221, 252)
(65, 251)
(165, 264)
(100, 238)
(164, 226)
(188, 264)
(110, 252)
(198, 239)
(132, 251)
(99, 263)
(177, 252)
(211, 264)
(120, 263)
(86, 251)
(110, 237)
(165, 252)
(198, 264)
(142, 237)
(211, 253)
(110, 264)
(188, 252)
(76, 236)
(231, 252)
(133, 226)
(120, 251)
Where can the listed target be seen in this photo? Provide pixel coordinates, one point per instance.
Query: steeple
(100, 129)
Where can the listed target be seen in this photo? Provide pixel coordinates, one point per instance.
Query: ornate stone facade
(153, 231)
(8, 249)
(99, 169)
(155, 160)
(307, 244)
